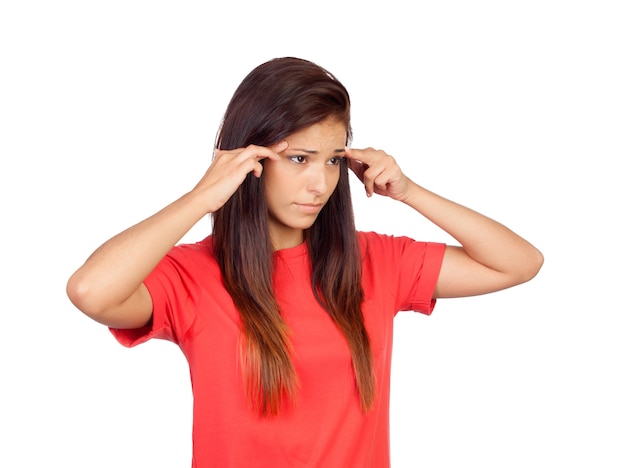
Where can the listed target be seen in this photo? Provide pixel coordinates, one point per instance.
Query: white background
(108, 111)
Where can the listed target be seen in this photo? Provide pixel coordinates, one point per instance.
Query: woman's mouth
(310, 208)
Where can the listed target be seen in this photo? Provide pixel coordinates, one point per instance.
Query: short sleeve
(420, 269)
(405, 268)
(171, 286)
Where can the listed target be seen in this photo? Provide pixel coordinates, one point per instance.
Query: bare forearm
(108, 287)
(484, 240)
(491, 256)
(118, 267)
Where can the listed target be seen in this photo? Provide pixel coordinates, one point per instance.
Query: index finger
(262, 152)
(269, 152)
(279, 147)
(359, 155)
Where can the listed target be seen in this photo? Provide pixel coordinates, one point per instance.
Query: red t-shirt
(325, 427)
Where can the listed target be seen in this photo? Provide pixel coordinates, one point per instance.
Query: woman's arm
(109, 288)
(491, 256)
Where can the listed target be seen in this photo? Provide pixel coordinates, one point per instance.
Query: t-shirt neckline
(292, 252)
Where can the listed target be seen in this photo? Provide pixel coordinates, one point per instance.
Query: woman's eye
(334, 161)
(298, 159)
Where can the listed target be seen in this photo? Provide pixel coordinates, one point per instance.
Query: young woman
(285, 312)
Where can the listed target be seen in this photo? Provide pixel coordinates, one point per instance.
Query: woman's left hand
(379, 172)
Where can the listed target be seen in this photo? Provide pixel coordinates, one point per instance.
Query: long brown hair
(275, 100)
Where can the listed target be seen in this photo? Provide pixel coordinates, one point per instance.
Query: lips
(311, 208)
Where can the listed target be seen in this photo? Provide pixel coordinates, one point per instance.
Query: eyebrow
(308, 151)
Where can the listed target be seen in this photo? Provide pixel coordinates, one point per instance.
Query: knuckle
(254, 148)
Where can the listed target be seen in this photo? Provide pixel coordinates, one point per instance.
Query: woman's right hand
(229, 169)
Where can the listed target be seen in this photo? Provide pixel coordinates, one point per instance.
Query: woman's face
(299, 184)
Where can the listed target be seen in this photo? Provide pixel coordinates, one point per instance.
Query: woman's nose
(317, 181)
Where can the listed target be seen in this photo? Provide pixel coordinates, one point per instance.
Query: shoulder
(193, 255)
(373, 242)
(203, 248)
(384, 246)
(185, 270)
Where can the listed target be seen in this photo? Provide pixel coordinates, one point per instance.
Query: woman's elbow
(98, 304)
(529, 268)
(81, 295)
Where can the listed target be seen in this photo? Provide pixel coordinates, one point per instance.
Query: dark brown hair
(275, 100)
